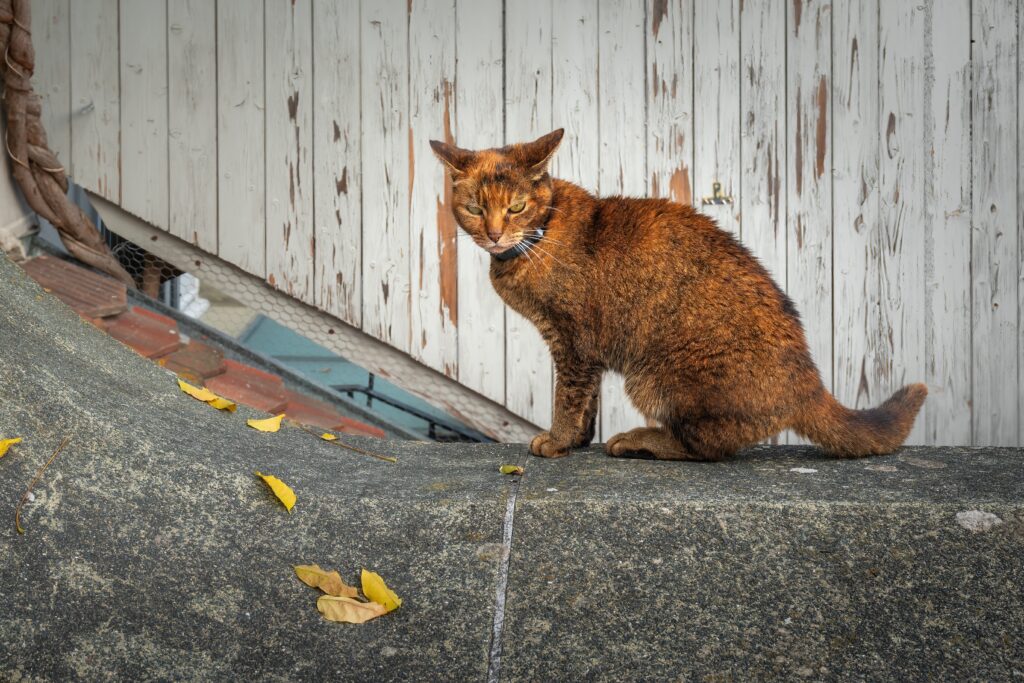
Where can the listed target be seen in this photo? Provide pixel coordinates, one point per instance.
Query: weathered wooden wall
(871, 150)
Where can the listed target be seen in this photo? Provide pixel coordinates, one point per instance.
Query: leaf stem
(342, 444)
(35, 480)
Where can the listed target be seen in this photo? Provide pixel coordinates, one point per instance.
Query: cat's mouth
(501, 245)
(520, 244)
(499, 248)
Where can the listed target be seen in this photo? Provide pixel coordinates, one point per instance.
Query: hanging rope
(36, 169)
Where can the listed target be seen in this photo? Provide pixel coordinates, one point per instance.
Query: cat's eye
(517, 207)
(475, 210)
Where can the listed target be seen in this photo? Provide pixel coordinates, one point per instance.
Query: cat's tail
(850, 433)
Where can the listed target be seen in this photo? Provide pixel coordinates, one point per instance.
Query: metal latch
(717, 198)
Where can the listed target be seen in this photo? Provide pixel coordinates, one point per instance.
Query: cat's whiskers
(554, 258)
(545, 252)
(536, 256)
(528, 247)
(528, 255)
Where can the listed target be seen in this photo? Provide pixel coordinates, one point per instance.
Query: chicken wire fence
(152, 275)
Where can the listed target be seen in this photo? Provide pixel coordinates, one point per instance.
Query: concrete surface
(151, 552)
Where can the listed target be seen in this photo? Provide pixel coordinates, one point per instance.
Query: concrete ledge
(749, 570)
(152, 552)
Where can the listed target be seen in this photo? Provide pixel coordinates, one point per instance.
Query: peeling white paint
(803, 470)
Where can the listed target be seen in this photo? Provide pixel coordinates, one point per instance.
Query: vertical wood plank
(144, 171)
(528, 365)
(994, 246)
(96, 97)
(901, 200)
(337, 181)
(51, 37)
(947, 203)
(808, 177)
(717, 108)
(861, 345)
(432, 227)
(622, 64)
(670, 104)
(290, 245)
(478, 96)
(762, 200)
(1020, 227)
(241, 185)
(385, 129)
(574, 79)
(192, 121)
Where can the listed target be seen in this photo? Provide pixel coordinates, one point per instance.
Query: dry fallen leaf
(327, 436)
(223, 404)
(270, 424)
(205, 395)
(329, 582)
(283, 492)
(200, 394)
(348, 610)
(376, 590)
(510, 469)
(5, 445)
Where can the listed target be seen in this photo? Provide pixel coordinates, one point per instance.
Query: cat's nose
(494, 227)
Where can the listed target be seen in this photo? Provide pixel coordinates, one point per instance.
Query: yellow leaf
(348, 610)
(203, 394)
(510, 469)
(207, 396)
(376, 590)
(283, 492)
(271, 424)
(329, 582)
(5, 444)
(223, 404)
(327, 436)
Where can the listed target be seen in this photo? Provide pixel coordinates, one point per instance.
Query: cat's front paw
(546, 446)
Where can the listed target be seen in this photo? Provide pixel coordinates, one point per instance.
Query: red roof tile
(309, 411)
(250, 387)
(150, 334)
(349, 426)
(196, 362)
(315, 413)
(91, 295)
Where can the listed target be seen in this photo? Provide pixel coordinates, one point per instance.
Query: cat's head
(500, 195)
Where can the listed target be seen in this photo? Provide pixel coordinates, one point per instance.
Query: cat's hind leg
(654, 440)
(716, 438)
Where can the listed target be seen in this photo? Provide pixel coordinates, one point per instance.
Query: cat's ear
(456, 159)
(537, 154)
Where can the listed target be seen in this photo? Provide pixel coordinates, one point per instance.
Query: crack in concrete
(497, 630)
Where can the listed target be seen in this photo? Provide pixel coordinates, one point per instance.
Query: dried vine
(36, 169)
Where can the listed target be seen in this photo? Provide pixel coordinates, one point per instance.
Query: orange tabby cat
(710, 347)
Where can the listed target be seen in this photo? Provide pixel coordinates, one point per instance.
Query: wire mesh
(152, 275)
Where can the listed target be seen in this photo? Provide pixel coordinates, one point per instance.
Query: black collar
(523, 246)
